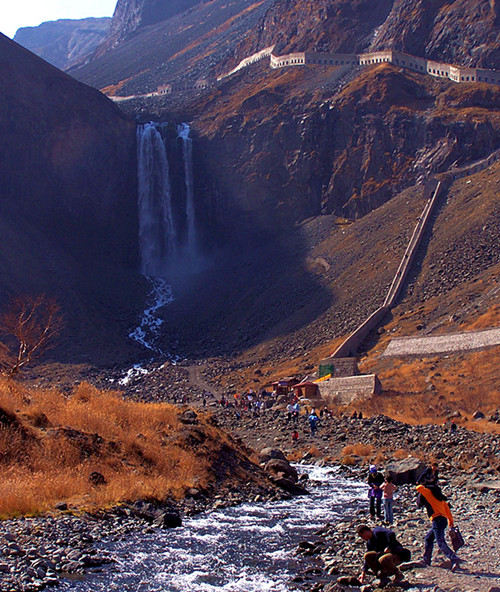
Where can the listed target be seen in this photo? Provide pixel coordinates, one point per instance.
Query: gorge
(206, 246)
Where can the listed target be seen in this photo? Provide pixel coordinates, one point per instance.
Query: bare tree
(27, 327)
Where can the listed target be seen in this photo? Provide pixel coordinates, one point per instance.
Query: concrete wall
(378, 57)
(331, 59)
(457, 74)
(405, 60)
(255, 57)
(475, 167)
(290, 59)
(343, 391)
(351, 345)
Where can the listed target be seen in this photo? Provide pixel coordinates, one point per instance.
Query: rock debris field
(37, 552)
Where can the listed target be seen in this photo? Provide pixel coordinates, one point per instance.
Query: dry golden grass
(358, 450)
(50, 443)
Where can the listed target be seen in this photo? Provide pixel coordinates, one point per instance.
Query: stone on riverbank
(406, 471)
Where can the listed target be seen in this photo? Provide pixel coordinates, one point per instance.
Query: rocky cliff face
(186, 46)
(68, 170)
(64, 42)
(131, 15)
(343, 26)
(456, 31)
(291, 144)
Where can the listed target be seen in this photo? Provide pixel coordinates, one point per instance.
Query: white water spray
(183, 131)
(157, 233)
(161, 255)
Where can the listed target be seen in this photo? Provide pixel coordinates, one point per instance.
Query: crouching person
(383, 554)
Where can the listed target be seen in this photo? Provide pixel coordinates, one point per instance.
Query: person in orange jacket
(434, 501)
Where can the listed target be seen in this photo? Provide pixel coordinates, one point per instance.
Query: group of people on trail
(384, 553)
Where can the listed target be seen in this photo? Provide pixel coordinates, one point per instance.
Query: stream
(248, 548)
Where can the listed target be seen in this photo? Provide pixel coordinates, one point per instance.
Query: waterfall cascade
(167, 225)
(187, 151)
(157, 232)
(166, 211)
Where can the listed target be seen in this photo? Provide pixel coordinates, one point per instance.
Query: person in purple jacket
(375, 480)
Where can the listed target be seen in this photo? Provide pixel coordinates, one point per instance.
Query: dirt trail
(196, 378)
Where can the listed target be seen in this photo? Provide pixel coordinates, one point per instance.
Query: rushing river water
(249, 548)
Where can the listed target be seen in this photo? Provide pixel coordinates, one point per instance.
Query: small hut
(284, 385)
(306, 390)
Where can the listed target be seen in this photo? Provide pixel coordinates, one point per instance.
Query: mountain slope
(188, 45)
(131, 15)
(64, 42)
(68, 195)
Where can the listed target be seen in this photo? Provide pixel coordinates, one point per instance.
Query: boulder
(189, 417)
(290, 486)
(406, 471)
(167, 519)
(281, 468)
(266, 454)
(478, 415)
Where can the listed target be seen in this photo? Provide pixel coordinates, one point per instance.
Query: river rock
(167, 519)
(266, 454)
(283, 468)
(290, 486)
(487, 485)
(406, 471)
(189, 417)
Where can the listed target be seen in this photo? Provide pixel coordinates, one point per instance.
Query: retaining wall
(405, 60)
(434, 187)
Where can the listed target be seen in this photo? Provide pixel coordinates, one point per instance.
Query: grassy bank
(51, 443)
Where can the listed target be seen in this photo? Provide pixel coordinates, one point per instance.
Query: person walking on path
(313, 422)
(375, 480)
(383, 554)
(388, 488)
(429, 476)
(434, 501)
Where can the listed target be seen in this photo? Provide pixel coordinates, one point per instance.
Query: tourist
(296, 411)
(429, 476)
(313, 422)
(295, 437)
(375, 480)
(383, 554)
(434, 501)
(289, 411)
(388, 488)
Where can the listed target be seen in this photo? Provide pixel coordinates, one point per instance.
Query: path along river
(249, 548)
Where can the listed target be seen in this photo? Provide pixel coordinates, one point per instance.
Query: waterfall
(157, 232)
(166, 211)
(187, 152)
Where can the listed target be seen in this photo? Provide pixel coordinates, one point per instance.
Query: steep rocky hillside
(277, 147)
(68, 197)
(188, 45)
(457, 31)
(131, 15)
(330, 276)
(64, 42)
